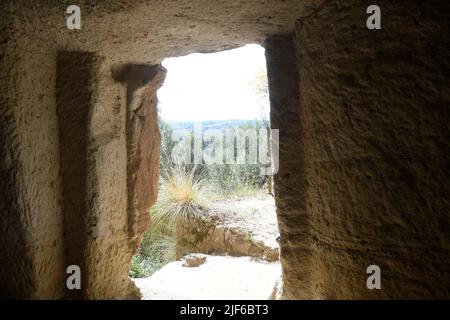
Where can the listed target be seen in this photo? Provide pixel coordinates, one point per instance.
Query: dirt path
(225, 277)
(218, 278)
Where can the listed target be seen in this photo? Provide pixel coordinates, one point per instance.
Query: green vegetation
(181, 199)
(184, 188)
(157, 249)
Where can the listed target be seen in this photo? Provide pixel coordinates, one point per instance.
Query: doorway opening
(214, 228)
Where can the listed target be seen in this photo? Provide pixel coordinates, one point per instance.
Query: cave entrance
(214, 228)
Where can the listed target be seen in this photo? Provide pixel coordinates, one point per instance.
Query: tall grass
(181, 198)
(181, 201)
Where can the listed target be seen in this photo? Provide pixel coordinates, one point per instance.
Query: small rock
(194, 260)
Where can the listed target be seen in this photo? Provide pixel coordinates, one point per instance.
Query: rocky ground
(235, 227)
(219, 277)
(239, 257)
(253, 216)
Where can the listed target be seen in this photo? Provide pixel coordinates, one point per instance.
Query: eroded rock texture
(363, 118)
(290, 186)
(143, 142)
(369, 176)
(230, 233)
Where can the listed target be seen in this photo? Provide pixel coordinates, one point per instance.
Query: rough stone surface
(290, 186)
(372, 171)
(363, 144)
(194, 260)
(245, 227)
(375, 114)
(160, 28)
(34, 201)
(143, 143)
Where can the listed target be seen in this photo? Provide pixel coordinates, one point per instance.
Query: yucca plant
(181, 200)
(180, 204)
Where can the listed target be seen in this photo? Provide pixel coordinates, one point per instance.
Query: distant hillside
(212, 124)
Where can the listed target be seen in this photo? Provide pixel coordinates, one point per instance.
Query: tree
(260, 86)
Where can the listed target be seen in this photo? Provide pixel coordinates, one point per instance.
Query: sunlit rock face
(363, 118)
(244, 227)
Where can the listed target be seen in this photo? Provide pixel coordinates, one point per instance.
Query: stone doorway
(212, 218)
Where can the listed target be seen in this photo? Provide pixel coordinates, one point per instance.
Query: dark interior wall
(12, 233)
(289, 182)
(73, 98)
(375, 117)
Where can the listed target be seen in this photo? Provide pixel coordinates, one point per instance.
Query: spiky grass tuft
(181, 199)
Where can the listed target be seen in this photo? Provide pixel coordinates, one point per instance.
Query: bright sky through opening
(215, 86)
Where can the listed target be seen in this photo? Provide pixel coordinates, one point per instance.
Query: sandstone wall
(64, 173)
(374, 116)
(31, 234)
(363, 143)
(69, 125)
(290, 186)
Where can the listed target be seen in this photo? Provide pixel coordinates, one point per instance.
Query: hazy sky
(214, 86)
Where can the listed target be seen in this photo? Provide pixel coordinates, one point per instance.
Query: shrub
(181, 198)
(139, 268)
(158, 248)
(180, 201)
